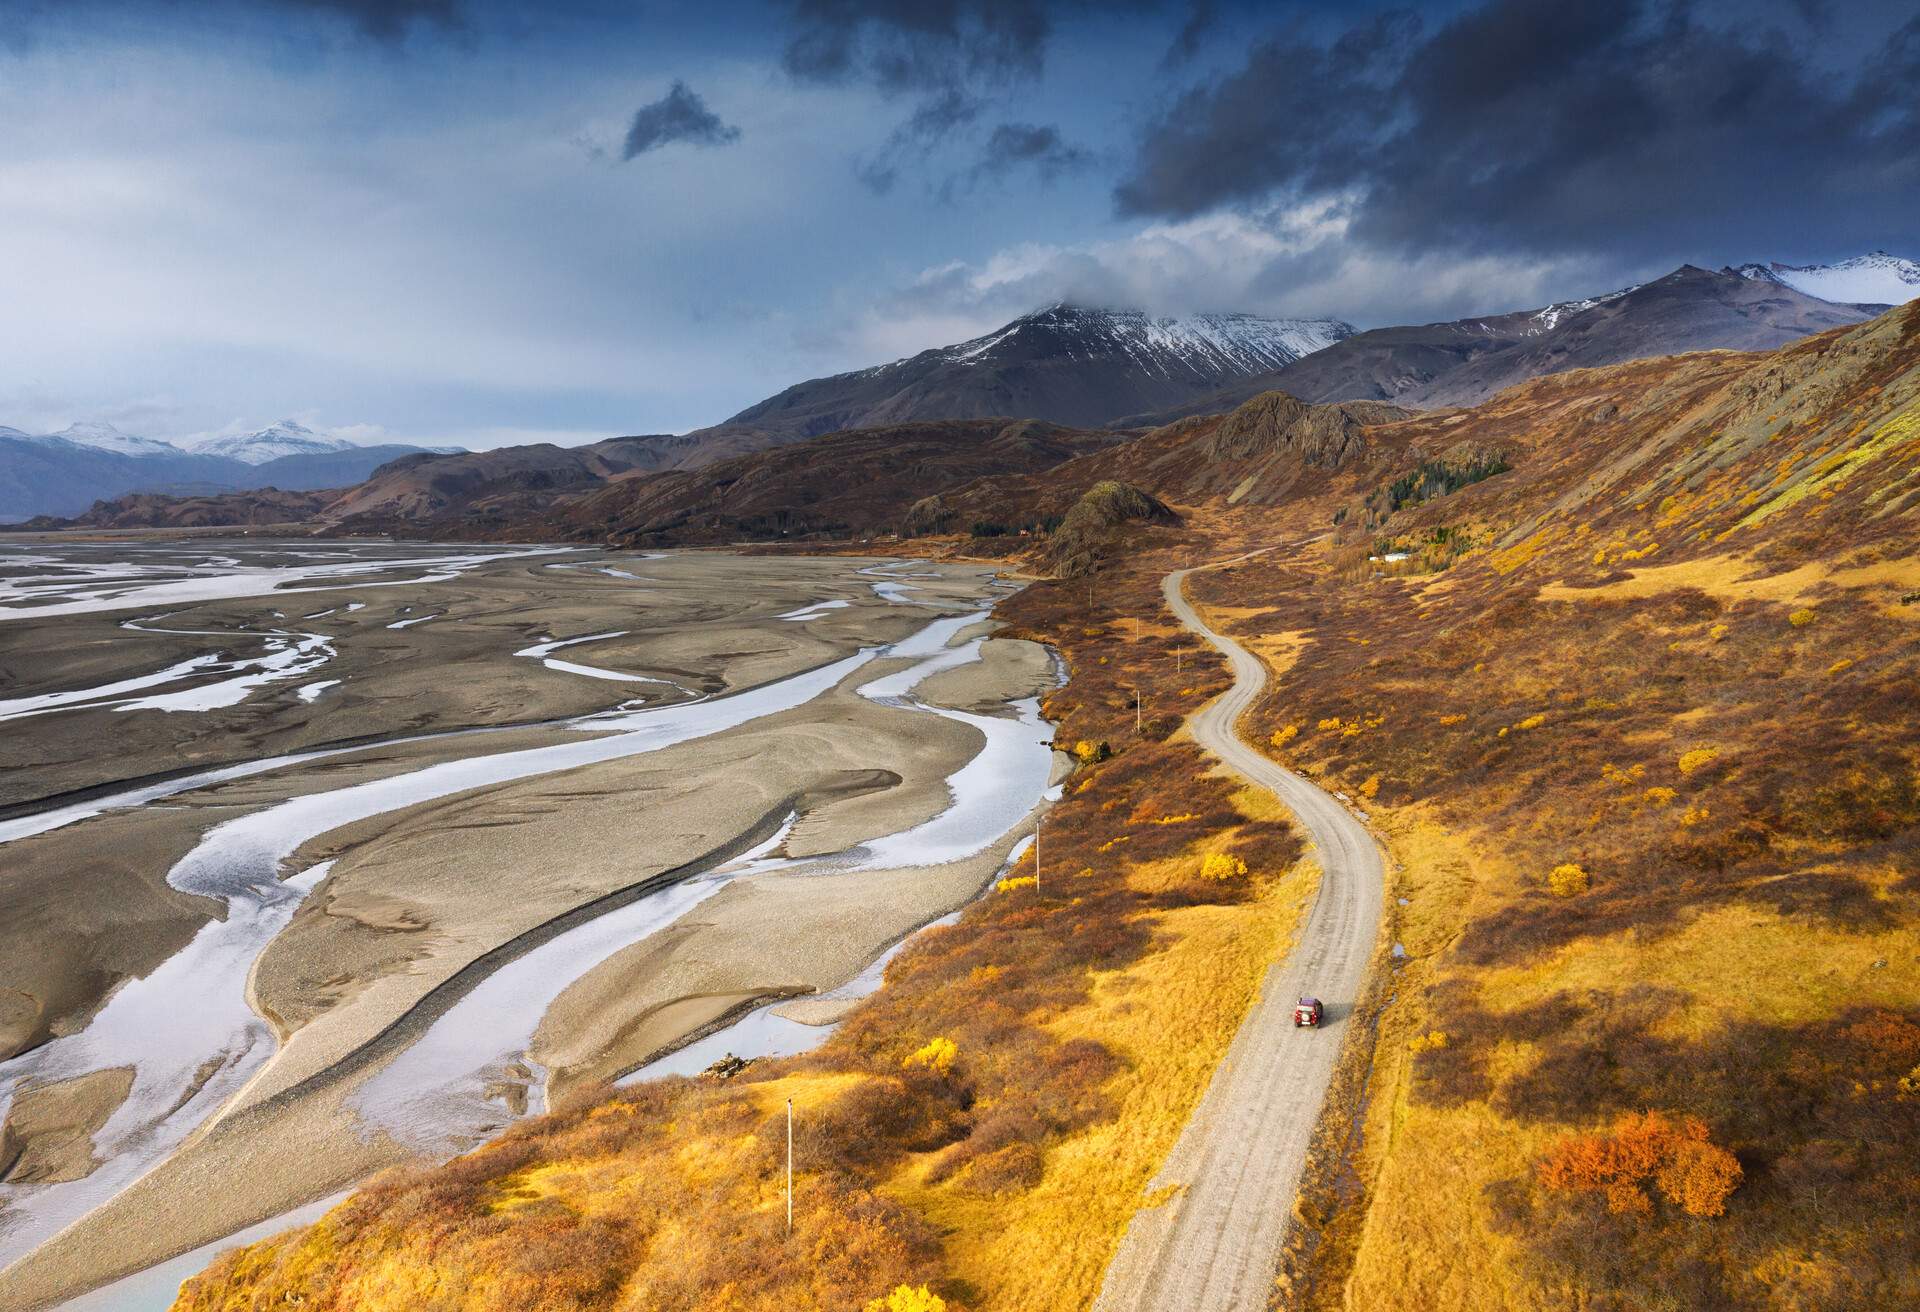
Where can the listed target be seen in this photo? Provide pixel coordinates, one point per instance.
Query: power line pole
(789, 1167)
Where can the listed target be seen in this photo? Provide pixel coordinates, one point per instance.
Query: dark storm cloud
(941, 113)
(945, 54)
(1028, 145)
(918, 45)
(680, 115)
(1546, 126)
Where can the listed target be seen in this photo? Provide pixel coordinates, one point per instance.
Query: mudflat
(524, 863)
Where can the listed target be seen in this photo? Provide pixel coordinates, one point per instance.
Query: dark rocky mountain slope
(1068, 364)
(1466, 361)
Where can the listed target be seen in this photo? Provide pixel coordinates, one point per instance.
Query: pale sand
(48, 1133)
(416, 896)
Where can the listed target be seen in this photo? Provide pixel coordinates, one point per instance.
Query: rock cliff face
(1324, 436)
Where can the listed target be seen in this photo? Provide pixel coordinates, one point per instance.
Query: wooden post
(789, 1166)
(1036, 856)
(1136, 710)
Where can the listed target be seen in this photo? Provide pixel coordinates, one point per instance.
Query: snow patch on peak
(105, 437)
(286, 438)
(1546, 320)
(1876, 278)
(1211, 344)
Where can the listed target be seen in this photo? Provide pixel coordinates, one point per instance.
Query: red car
(1307, 1012)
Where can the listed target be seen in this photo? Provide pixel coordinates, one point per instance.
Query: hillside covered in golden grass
(1623, 665)
(1640, 719)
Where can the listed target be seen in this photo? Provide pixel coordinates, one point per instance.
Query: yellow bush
(1658, 796)
(936, 1055)
(1431, 1039)
(1453, 719)
(1600, 556)
(1567, 880)
(1178, 819)
(1843, 663)
(908, 1298)
(1331, 722)
(1371, 788)
(1699, 756)
(1222, 866)
(1088, 752)
(1694, 815)
(1281, 737)
(1800, 618)
(1717, 632)
(1532, 722)
(1013, 882)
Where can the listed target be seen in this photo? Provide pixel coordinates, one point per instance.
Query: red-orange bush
(1693, 1173)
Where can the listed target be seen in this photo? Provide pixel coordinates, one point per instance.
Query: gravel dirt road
(1215, 1244)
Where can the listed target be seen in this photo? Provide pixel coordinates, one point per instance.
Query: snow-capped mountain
(1070, 364)
(105, 437)
(63, 473)
(1231, 343)
(1547, 319)
(286, 438)
(1874, 279)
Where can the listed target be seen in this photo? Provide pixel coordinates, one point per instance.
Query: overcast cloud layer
(477, 222)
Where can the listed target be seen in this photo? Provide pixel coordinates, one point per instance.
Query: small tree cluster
(1222, 866)
(1698, 757)
(1567, 880)
(909, 1298)
(1088, 753)
(936, 1054)
(1691, 1172)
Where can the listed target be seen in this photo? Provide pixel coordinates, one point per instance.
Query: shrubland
(1648, 755)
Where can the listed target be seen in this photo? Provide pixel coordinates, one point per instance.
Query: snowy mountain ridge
(1201, 343)
(1876, 278)
(105, 437)
(286, 438)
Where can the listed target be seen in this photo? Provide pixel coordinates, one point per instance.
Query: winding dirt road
(1215, 1244)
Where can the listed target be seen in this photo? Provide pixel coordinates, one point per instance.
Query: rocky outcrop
(1323, 436)
(1098, 524)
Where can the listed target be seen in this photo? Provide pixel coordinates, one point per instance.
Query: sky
(479, 222)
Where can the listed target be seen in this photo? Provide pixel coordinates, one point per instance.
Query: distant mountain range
(1465, 361)
(65, 472)
(1091, 378)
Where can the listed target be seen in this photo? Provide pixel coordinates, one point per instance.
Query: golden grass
(1170, 1017)
(1786, 970)
(1425, 1167)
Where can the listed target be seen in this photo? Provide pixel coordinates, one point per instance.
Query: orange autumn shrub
(1691, 1172)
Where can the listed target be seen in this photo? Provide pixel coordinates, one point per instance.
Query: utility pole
(789, 1168)
(1136, 710)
